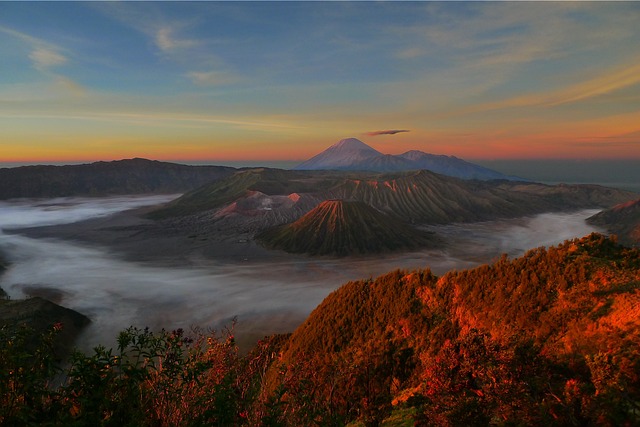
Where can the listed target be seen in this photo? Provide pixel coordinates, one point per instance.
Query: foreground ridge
(552, 337)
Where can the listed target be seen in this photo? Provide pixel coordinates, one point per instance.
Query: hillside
(622, 220)
(254, 200)
(551, 337)
(243, 184)
(38, 315)
(130, 176)
(340, 227)
(351, 154)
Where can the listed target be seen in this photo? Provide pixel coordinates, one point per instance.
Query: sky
(263, 81)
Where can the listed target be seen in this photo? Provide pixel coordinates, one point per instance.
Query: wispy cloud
(153, 119)
(608, 82)
(44, 58)
(180, 41)
(72, 87)
(212, 78)
(44, 55)
(167, 41)
(612, 81)
(386, 132)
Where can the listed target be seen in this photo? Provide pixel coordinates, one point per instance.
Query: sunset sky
(225, 81)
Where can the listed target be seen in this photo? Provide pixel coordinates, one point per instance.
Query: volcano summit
(351, 154)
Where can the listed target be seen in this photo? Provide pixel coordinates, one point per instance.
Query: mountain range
(354, 155)
(223, 201)
(251, 202)
(129, 176)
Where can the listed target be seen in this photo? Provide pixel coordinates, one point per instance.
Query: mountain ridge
(354, 155)
(251, 201)
(127, 176)
(555, 331)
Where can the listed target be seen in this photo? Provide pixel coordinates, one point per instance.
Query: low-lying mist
(265, 297)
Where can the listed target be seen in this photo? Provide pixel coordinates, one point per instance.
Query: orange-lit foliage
(551, 338)
(521, 340)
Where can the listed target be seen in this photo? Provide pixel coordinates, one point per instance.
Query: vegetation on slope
(340, 227)
(551, 338)
(623, 220)
(39, 314)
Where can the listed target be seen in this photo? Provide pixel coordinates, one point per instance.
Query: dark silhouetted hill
(130, 176)
(40, 315)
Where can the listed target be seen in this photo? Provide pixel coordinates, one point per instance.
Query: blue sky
(282, 81)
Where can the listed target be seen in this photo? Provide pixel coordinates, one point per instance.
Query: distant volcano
(342, 155)
(339, 227)
(354, 155)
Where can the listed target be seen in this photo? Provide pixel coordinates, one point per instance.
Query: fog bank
(265, 297)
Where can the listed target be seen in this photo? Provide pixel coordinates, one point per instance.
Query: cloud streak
(166, 41)
(44, 59)
(211, 78)
(606, 83)
(43, 55)
(386, 132)
(152, 119)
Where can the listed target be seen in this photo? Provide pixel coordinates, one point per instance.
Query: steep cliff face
(339, 227)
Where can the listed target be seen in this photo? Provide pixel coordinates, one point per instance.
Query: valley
(266, 252)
